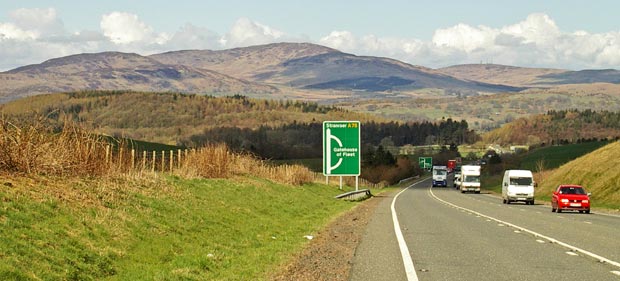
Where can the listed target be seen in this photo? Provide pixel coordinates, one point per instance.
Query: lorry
(518, 185)
(451, 166)
(440, 176)
(470, 178)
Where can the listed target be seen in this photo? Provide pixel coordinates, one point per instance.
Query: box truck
(470, 178)
(451, 166)
(440, 176)
(518, 185)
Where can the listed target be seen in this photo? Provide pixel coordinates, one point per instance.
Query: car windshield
(572, 190)
(440, 172)
(520, 181)
(472, 179)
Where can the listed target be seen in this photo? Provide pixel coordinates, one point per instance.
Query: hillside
(564, 126)
(310, 66)
(118, 71)
(596, 171)
(245, 63)
(256, 70)
(167, 117)
(505, 74)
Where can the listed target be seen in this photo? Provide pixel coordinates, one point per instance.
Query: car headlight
(564, 200)
(584, 201)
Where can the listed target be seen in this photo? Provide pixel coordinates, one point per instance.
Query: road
(454, 236)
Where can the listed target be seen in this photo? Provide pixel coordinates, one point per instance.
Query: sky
(567, 34)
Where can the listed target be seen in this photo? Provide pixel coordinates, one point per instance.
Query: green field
(554, 156)
(156, 228)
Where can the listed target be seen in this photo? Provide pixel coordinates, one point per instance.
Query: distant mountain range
(268, 69)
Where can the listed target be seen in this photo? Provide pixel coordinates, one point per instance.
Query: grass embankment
(544, 159)
(156, 228)
(597, 171)
(555, 156)
(70, 212)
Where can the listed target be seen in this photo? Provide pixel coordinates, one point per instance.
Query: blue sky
(554, 34)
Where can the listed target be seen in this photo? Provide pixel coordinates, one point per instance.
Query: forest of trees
(304, 140)
(558, 127)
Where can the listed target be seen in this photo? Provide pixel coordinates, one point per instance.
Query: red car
(570, 197)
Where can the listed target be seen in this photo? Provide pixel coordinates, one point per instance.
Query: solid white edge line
(552, 240)
(404, 250)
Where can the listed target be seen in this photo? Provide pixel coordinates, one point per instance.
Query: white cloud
(193, 37)
(246, 33)
(42, 22)
(10, 31)
(125, 28)
(534, 42)
(34, 35)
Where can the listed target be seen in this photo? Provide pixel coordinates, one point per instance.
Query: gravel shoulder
(329, 255)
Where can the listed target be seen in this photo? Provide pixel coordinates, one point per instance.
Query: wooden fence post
(179, 158)
(144, 160)
(120, 158)
(154, 161)
(107, 154)
(163, 161)
(133, 159)
(171, 159)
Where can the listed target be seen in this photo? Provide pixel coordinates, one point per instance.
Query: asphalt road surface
(448, 235)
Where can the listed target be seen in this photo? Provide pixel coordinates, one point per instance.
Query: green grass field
(162, 229)
(555, 156)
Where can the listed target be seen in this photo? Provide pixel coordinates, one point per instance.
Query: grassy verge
(555, 156)
(156, 228)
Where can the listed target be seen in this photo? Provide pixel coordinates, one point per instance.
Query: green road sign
(341, 148)
(426, 162)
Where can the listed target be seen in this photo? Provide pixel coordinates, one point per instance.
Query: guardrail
(355, 195)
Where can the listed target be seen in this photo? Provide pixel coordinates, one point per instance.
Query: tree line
(304, 140)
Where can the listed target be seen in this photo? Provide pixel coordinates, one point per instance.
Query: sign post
(341, 149)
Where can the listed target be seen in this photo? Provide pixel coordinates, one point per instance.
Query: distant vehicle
(451, 166)
(440, 176)
(518, 185)
(457, 181)
(470, 175)
(570, 197)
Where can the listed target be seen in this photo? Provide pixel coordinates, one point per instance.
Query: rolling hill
(169, 117)
(530, 77)
(262, 70)
(309, 66)
(118, 71)
(555, 127)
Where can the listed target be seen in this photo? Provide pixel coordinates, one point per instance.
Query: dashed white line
(616, 272)
(540, 241)
(571, 254)
(535, 234)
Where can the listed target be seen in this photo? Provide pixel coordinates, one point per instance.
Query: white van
(518, 185)
(470, 179)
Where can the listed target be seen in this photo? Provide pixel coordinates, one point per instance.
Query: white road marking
(535, 234)
(516, 231)
(571, 254)
(404, 250)
(540, 241)
(616, 272)
(588, 222)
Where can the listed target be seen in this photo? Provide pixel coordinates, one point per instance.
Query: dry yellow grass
(34, 149)
(597, 171)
